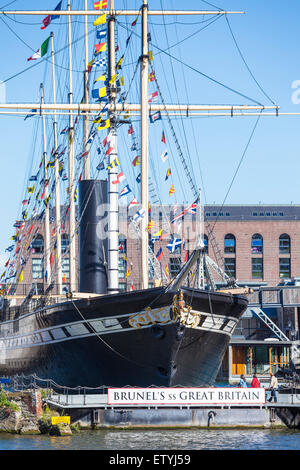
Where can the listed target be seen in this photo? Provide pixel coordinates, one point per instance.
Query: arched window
(229, 243)
(284, 244)
(65, 241)
(257, 244)
(37, 244)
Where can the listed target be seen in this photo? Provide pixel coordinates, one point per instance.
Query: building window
(175, 266)
(284, 268)
(257, 268)
(65, 242)
(122, 244)
(230, 267)
(65, 267)
(256, 244)
(205, 241)
(37, 245)
(37, 268)
(229, 243)
(284, 244)
(122, 268)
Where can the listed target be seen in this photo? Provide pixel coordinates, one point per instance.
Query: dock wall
(176, 418)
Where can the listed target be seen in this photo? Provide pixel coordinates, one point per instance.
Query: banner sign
(186, 396)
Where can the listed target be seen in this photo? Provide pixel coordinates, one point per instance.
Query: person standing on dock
(273, 388)
(255, 382)
(243, 382)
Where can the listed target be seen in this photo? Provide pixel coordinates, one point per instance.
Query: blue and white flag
(139, 215)
(155, 117)
(101, 34)
(100, 166)
(174, 244)
(100, 62)
(138, 178)
(91, 138)
(125, 191)
(164, 156)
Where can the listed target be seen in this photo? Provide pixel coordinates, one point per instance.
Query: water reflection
(189, 439)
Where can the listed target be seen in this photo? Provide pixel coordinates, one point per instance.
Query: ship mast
(72, 253)
(144, 60)
(56, 176)
(86, 164)
(113, 193)
(46, 185)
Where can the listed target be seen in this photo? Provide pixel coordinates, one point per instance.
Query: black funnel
(93, 231)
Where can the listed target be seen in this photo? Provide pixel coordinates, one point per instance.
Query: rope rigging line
(246, 65)
(164, 51)
(237, 168)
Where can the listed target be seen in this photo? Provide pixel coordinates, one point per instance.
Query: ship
(173, 333)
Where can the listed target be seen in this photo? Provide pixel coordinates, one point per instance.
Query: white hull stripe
(108, 325)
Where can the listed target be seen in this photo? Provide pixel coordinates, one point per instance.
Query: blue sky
(268, 37)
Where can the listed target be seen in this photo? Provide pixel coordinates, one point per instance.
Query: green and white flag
(42, 51)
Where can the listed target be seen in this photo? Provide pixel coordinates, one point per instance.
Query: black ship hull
(139, 338)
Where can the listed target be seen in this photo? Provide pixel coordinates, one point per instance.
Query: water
(190, 439)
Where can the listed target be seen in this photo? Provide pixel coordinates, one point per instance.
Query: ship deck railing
(99, 400)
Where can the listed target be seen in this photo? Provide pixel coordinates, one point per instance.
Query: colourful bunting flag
(101, 47)
(113, 164)
(159, 254)
(151, 77)
(136, 161)
(139, 215)
(49, 18)
(174, 244)
(104, 125)
(42, 51)
(172, 190)
(164, 156)
(133, 202)
(120, 177)
(100, 5)
(119, 63)
(125, 191)
(155, 117)
(168, 174)
(100, 20)
(163, 137)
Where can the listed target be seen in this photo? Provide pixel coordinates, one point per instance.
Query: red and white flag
(120, 177)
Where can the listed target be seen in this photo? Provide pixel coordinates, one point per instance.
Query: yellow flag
(172, 190)
(102, 92)
(113, 79)
(167, 270)
(98, 120)
(119, 63)
(102, 77)
(150, 54)
(127, 272)
(100, 20)
(105, 124)
(21, 276)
